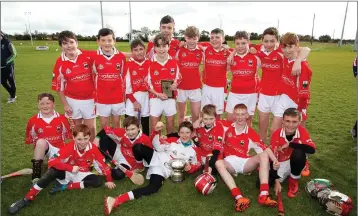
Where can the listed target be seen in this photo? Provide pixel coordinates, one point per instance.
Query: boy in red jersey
(215, 70)
(189, 58)
(47, 131)
(245, 80)
(70, 167)
(73, 81)
(162, 68)
(136, 88)
(119, 142)
(108, 67)
(292, 88)
(292, 142)
(166, 27)
(239, 139)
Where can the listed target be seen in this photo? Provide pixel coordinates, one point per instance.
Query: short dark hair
(161, 37)
(81, 128)
(186, 124)
(271, 31)
(293, 112)
(241, 34)
(217, 31)
(167, 19)
(104, 32)
(137, 42)
(42, 95)
(130, 120)
(65, 35)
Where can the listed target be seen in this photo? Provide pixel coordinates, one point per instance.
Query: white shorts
(192, 95)
(118, 156)
(237, 163)
(283, 103)
(158, 107)
(249, 100)
(74, 177)
(215, 96)
(52, 150)
(106, 110)
(267, 103)
(284, 171)
(143, 100)
(82, 108)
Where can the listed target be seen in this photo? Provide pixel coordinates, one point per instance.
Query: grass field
(332, 113)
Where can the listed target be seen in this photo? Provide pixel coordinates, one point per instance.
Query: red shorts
(302, 107)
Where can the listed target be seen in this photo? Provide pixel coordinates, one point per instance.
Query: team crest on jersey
(68, 71)
(72, 162)
(100, 67)
(58, 128)
(198, 55)
(172, 70)
(225, 54)
(88, 161)
(41, 130)
(156, 73)
(184, 54)
(210, 138)
(229, 134)
(275, 59)
(220, 138)
(85, 65)
(210, 53)
(304, 84)
(250, 63)
(53, 75)
(198, 135)
(118, 66)
(242, 142)
(134, 73)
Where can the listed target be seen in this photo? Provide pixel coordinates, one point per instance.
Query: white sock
(37, 187)
(238, 197)
(131, 195)
(264, 193)
(82, 185)
(295, 177)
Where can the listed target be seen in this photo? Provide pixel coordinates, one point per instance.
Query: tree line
(146, 34)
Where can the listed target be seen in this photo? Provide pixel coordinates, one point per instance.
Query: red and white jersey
(278, 138)
(69, 156)
(76, 79)
(55, 130)
(118, 135)
(169, 70)
(136, 72)
(240, 144)
(245, 79)
(210, 139)
(215, 67)
(271, 66)
(295, 87)
(189, 63)
(173, 47)
(109, 71)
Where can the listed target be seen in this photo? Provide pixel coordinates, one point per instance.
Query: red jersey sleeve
(55, 72)
(66, 128)
(219, 141)
(256, 144)
(146, 141)
(116, 134)
(59, 160)
(150, 49)
(306, 139)
(106, 170)
(304, 81)
(30, 139)
(274, 142)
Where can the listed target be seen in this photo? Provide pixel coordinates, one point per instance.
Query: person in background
(8, 55)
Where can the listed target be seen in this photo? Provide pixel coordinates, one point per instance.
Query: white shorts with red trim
(215, 96)
(191, 95)
(143, 99)
(267, 103)
(158, 107)
(284, 171)
(52, 150)
(249, 100)
(74, 177)
(237, 163)
(106, 110)
(82, 108)
(282, 104)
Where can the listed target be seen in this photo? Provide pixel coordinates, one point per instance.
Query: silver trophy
(176, 165)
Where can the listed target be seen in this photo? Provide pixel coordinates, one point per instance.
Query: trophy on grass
(176, 165)
(166, 88)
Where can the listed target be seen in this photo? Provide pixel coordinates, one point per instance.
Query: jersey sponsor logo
(287, 80)
(81, 77)
(100, 67)
(271, 66)
(216, 62)
(134, 73)
(118, 66)
(156, 73)
(242, 72)
(158, 82)
(85, 65)
(137, 82)
(190, 64)
(109, 76)
(68, 71)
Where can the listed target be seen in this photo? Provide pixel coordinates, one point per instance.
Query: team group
(105, 84)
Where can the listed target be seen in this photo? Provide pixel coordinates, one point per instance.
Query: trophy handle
(166, 164)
